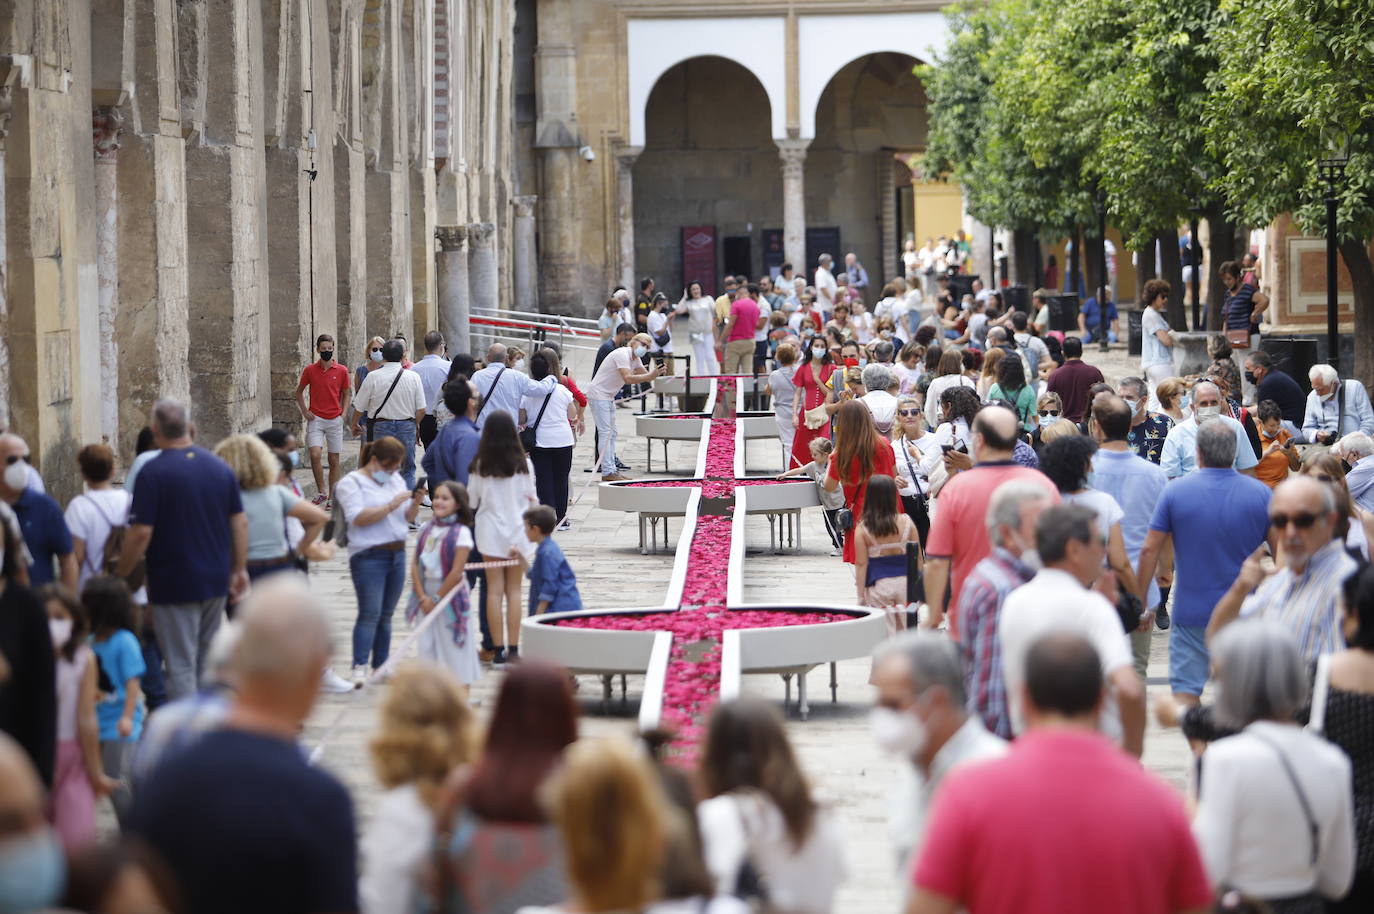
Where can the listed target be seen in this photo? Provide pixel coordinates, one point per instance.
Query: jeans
(551, 468)
(378, 577)
(184, 632)
(403, 430)
(603, 413)
(154, 683)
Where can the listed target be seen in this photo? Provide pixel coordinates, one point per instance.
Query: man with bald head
(40, 517)
(503, 388)
(1177, 455)
(243, 821)
(1302, 594)
(25, 835)
(958, 537)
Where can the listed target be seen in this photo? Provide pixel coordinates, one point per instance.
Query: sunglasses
(15, 458)
(1049, 412)
(908, 412)
(1302, 520)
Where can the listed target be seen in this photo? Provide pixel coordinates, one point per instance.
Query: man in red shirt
(739, 331)
(959, 533)
(329, 388)
(1072, 380)
(1066, 823)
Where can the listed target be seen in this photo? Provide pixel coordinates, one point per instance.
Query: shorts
(1189, 662)
(326, 433)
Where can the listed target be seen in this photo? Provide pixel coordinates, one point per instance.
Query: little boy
(553, 586)
(831, 502)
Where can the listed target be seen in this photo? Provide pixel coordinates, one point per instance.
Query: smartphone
(946, 448)
(420, 483)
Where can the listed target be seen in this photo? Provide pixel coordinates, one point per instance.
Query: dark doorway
(737, 254)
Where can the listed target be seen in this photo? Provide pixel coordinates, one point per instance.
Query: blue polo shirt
(1217, 518)
(45, 533)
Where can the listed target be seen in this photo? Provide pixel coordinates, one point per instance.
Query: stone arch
(658, 45)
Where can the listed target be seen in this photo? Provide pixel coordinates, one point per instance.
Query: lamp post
(1100, 207)
(1332, 171)
(1195, 260)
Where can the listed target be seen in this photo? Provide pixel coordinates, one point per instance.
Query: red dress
(884, 463)
(813, 394)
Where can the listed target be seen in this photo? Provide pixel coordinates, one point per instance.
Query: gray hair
(932, 658)
(1136, 384)
(496, 352)
(1322, 373)
(1004, 509)
(1061, 524)
(1356, 444)
(283, 632)
(1197, 385)
(882, 351)
(1260, 673)
(1216, 445)
(171, 419)
(877, 377)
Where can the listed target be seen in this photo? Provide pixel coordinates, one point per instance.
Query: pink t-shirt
(960, 532)
(1064, 824)
(746, 312)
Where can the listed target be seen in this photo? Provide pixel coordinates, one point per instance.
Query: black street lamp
(1332, 172)
(1195, 259)
(1100, 207)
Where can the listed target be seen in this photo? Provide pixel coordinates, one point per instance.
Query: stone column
(483, 279)
(7, 78)
(625, 211)
(106, 124)
(526, 263)
(453, 286)
(793, 155)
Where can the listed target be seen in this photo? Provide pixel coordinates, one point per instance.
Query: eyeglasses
(15, 458)
(1049, 412)
(1302, 520)
(908, 412)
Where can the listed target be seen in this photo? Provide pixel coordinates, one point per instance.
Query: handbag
(844, 520)
(372, 419)
(815, 418)
(529, 434)
(1239, 338)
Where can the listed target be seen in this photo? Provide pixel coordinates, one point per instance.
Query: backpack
(114, 548)
(336, 528)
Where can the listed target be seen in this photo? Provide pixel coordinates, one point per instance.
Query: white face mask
(376, 355)
(61, 631)
(17, 475)
(817, 352)
(1204, 413)
(1026, 555)
(897, 732)
(520, 365)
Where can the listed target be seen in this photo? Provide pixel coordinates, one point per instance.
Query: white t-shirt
(1109, 513)
(357, 492)
(607, 381)
(91, 516)
(554, 429)
(825, 289)
(1152, 351)
(659, 321)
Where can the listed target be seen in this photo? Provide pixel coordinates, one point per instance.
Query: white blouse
(357, 492)
(554, 428)
(500, 503)
(393, 849)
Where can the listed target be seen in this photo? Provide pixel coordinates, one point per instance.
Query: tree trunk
(1171, 261)
(1092, 264)
(1356, 256)
(1071, 269)
(1221, 247)
(1025, 251)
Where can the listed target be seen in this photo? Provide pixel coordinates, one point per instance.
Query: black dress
(1349, 724)
(28, 699)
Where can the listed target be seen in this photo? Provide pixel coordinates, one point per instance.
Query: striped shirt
(980, 606)
(1307, 604)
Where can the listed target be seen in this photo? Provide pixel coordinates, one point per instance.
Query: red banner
(699, 256)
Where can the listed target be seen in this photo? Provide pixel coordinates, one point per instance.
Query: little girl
(119, 712)
(831, 502)
(880, 552)
(79, 778)
(437, 568)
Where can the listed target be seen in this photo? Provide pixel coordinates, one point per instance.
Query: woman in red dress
(811, 378)
(860, 454)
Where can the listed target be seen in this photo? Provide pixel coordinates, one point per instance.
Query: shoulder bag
(114, 548)
(1321, 685)
(372, 419)
(490, 391)
(751, 886)
(1313, 828)
(529, 436)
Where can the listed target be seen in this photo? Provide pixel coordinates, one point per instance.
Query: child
(441, 552)
(553, 586)
(1280, 456)
(880, 539)
(120, 712)
(831, 502)
(78, 778)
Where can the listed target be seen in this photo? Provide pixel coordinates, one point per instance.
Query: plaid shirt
(980, 608)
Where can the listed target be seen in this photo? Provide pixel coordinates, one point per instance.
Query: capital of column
(524, 206)
(481, 235)
(793, 155)
(106, 124)
(625, 156)
(452, 237)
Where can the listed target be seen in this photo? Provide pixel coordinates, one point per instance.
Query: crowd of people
(163, 648)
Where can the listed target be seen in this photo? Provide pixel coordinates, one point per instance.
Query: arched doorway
(709, 161)
(871, 115)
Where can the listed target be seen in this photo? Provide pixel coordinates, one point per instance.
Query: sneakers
(319, 499)
(1162, 619)
(513, 654)
(835, 550)
(621, 465)
(359, 675)
(498, 657)
(334, 684)
(614, 477)
(564, 524)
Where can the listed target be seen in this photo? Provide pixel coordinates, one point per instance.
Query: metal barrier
(529, 327)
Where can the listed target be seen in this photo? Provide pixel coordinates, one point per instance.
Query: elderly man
(393, 397)
(1357, 449)
(1011, 519)
(878, 381)
(1272, 384)
(857, 275)
(1303, 594)
(34, 873)
(1213, 519)
(986, 847)
(959, 533)
(503, 388)
(920, 715)
(1180, 445)
(623, 366)
(1148, 429)
(1072, 550)
(1335, 407)
(40, 518)
(270, 832)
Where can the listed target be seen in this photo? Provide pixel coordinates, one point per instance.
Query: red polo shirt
(326, 387)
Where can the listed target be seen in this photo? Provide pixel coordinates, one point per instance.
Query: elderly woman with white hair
(1357, 450)
(1335, 407)
(880, 382)
(1274, 816)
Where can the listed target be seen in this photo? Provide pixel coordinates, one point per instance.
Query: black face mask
(1345, 466)
(1250, 378)
(327, 355)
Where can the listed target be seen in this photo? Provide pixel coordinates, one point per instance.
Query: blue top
(552, 580)
(433, 371)
(45, 533)
(885, 566)
(1325, 415)
(1090, 312)
(121, 657)
(1136, 484)
(187, 495)
(1217, 518)
(450, 456)
(136, 467)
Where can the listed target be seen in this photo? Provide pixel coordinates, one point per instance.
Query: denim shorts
(1189, 662)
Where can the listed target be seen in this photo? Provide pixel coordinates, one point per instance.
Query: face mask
(1028, 557)
(1204, 413)
(863, 362)
(1249, 377)
(897, 732)
(817, 353)
(885, 334)
(1326, 398)
(327, 355)
(1184, 401)
(17, 475)
(295, 458)
(381, 476)
(447, 521)
(376, 355)
(33, 872)
(61, 631)
(1271, 435)
(1048, 420)
(639, 352)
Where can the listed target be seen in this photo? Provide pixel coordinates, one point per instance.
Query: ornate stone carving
(106, 124)
(481, 235)
(524, 206)
(452, 237)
